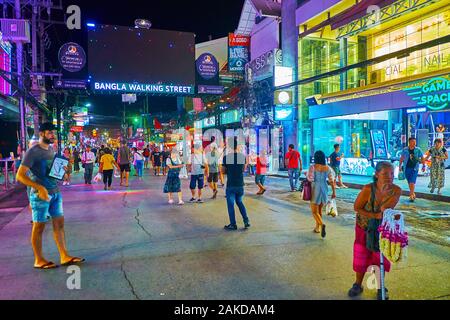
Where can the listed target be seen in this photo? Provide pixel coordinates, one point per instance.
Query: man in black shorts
(165, 156)
(156, 159)
(124, 163)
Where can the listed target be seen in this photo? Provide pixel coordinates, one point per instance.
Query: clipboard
(57, 168)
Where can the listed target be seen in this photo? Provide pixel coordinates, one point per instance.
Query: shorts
(157, 164)
(41, 209)
(125, 168)
(213, 177)
(197, 180)
(411, 175)
(164, 164)
(337, 171)
(260, 179)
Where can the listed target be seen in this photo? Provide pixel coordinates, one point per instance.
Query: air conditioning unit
(376, 76)
(15, 30)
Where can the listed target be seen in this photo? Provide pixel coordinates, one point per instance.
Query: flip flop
(47, 266)
(73, 261)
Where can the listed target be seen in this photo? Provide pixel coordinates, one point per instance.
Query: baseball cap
(46, 126)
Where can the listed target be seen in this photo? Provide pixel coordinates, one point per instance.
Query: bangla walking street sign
(144, 88)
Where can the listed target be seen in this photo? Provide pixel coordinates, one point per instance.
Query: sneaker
(171, 202)
(355, 291)
(199, 201)
(192, 200)
(105, 188)
(379, 297)
(231, 227)
(439, 192)
(247, 225)
(338, 187)
(215, 195)
(181, 203)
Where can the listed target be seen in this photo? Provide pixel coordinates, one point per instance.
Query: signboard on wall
(434, 95)
(72, 57)
(263, 67)
(238, 52)
(379, 145)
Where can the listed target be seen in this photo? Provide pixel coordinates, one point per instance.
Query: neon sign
(435, 94)
(144, 88)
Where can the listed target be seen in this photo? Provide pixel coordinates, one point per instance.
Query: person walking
(67, 176)
(212, 158)
(165, 155)
(173, 182)
(156, 159)
(199, 169)
(124, 159)
(234, 165)
(252, 159)
(318, 175)
(335, 164)
(138, 162)
(369, 206)
(294, 165)
(410, 161)
(45, 198)
(107, 164)
(76, 160)
(146, 155)
(262, 163)
(438, 155)
(88, 160)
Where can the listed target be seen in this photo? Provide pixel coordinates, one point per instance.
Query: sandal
(47, 266)
(73, 261)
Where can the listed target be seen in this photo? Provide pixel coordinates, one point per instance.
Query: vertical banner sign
(238, 52)
(379, 144)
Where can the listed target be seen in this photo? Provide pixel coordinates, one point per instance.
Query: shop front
(376, 126)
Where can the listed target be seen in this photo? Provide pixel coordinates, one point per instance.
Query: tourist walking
(173, 182)
(107, 164)
(295, 167)
(165, 155)
(234, 165)
(88, 160)
(124, 160)
(138, 162)
(262, 164)
(76, 160)
(156, 159)
(370, 205)
(67, 176)
(335, 164)
(146, 155)
(45, 198)
(198, 167)
(212, 158)
(252, 159)
(410, 162)
(318, 175)
(438, 155)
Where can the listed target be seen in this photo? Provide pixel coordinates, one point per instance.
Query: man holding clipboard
(45, 198)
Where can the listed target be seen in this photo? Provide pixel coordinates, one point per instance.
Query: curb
(420, 195)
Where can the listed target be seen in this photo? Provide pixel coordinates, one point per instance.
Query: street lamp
(88, 105)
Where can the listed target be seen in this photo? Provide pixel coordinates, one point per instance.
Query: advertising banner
(238, 52)
(72, 57)
(263, 67)
(379, 144)
(202, 89)
(70, 84)
(207, 66)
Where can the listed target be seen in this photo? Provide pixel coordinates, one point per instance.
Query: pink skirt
(363, 258)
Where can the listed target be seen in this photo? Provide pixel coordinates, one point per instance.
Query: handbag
(372, 233)
(401, 176)
(307, 191)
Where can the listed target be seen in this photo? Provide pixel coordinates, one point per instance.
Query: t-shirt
(213, 161)
(293, 157)
(334, 162)
(157, 157)
(261, 165)
(138, 156)
(146, 153)
(411, 163)
(124, 155)
(107, 160)
(39, 161)
(197, 161)
(234, 164)
(165, 155)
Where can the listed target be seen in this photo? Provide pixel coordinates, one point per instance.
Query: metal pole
(34, 57)
(23, 128)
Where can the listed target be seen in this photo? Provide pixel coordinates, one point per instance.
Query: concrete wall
(265, 37)
(312, 8)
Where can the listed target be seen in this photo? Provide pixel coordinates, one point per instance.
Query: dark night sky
(204, 18)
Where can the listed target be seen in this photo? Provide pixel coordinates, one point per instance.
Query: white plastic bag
(116, 173)
(332, 208)
(183, 173)
(98, 178)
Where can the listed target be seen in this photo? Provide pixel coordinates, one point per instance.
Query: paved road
(139, 247)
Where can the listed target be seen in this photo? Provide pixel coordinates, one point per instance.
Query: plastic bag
(116, 173)
(332, 208)
(184, 173)
(98, 178)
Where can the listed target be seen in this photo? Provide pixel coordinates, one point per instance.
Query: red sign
(238, 40)
(76, 129)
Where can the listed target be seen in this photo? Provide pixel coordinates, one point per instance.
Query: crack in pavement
(128, 280)
(136, 217)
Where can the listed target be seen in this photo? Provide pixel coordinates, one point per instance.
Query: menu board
(379, 145)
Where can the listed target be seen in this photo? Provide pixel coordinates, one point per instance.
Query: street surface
(139, 247)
